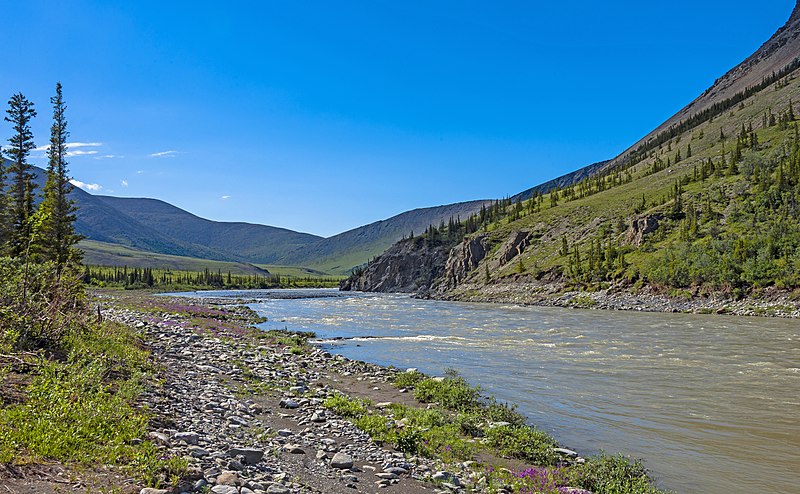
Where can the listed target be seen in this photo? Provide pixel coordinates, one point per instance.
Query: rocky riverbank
(769, 303)
(248, 414)
(229, 409)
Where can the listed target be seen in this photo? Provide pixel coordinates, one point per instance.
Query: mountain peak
(796, 14)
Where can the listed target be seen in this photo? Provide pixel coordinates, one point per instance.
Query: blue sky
(323, 116)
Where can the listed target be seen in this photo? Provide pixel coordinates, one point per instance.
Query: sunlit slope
(707, 202)
(105, 254)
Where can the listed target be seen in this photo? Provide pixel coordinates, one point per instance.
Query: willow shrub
(39, 305)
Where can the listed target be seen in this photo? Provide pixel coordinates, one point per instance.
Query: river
(712, 403)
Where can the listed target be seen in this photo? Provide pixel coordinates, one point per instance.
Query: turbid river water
(712, 403)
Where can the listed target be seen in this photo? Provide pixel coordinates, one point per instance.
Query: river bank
(769, 302)
(265, 412)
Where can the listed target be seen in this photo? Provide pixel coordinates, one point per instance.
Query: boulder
(251, 455)
(342, 461)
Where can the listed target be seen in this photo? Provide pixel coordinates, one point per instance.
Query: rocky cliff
(410, 266)
(433, 268)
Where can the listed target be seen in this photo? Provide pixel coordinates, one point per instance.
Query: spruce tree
(57, 211)
(20, 207)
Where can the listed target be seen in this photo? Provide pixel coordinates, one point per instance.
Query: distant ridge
(141, 225)
(343, 252)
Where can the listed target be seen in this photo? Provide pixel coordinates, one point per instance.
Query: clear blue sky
(322, 116)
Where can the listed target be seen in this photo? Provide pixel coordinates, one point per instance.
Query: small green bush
(613, 475)
(408, 379)
(378, 428)
(452, 393)
(39, 305)
(345, 406)
(523, 443)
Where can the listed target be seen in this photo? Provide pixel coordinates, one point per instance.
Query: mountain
(259, 244)
(774, 60)
(99, 221)
(343, 252)
(138, 231)
(221, 240)
(708, 202)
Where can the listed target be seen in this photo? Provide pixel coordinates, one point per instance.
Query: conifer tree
(57, 210)
(20, 207)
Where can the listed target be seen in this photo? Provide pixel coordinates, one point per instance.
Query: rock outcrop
(410, 266)
(640, 227)
(463, 259)
(514, 246)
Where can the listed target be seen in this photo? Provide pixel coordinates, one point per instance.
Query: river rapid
(712, 403)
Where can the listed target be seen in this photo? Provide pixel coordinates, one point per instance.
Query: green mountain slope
(129, 231)
(241, 241)
(341, 253)
(101, 222)
(105, 254)
(707, 202)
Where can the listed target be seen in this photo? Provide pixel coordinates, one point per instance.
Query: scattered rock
(294, 449)
(277, 489)
(187, 437)
(198, 452)
(251, 455)
(228, 478)
(342, 461)
(289, 403)
(224, 489)
(159, 438)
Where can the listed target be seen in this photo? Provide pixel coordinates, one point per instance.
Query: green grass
(346, 406)
(82, 411)
(77, 393)
(105, 254)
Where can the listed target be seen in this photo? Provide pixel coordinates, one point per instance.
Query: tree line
(133, 278)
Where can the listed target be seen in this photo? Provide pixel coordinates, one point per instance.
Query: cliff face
(410, 266)
(461, 261)
(418, 266)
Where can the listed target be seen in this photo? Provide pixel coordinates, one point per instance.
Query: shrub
(408, 379)
(452, 393)
(523, 443)
(345, 406)
(378, 428)
(39, 306)
(613, 475)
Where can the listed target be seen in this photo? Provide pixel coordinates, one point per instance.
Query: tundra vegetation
(709, 205)
(68, 381)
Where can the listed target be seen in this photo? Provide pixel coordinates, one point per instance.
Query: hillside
(777, 54)
(233, 241)
(105, 254)
(137, 231)
(343, 252)
(707, 206)
(99, 221)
